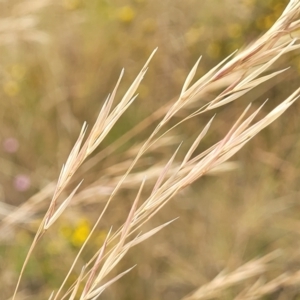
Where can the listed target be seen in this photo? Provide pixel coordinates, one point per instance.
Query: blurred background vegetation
(58, 63)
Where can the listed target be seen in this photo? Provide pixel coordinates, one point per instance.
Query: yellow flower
(234, 30)
(80, 233)
(18, 71)
(126, 14)
(71, 4)
(11, 88)
(193, 35)
(249, 2)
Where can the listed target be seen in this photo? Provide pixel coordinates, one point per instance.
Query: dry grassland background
(237, 235)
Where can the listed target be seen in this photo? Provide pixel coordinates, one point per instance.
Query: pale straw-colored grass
(224, 280)
(22, 23)
(253, 269)
(235, 76)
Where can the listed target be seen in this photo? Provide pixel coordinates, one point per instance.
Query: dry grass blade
(163, 173)
(70, 166)
(196, 143)
(242, 73)
(261, 289)
(259, 56)
(189, 78)
(128, 222)
(97, 292)
(118, 252)
(225, 280)
(60, 210)
(77, 156)
(73, 295)
(94, 269)
(236, 138)
(115, 258)
(51, 296)
(231, 143)
(139, 239)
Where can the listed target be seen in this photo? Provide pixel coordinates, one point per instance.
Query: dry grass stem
(224, 280)
(236, 75)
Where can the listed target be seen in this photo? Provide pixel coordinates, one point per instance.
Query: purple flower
(10, 145)
(22, 183)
